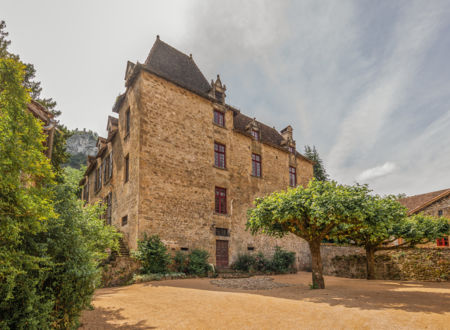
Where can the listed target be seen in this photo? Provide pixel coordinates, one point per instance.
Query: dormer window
(219, 95)
(255, 134)
(291, 150)
(219, 118)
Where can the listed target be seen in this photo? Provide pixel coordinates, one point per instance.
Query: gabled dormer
(288, 140)
(129, 69)
(113, 124)
(218, 90)
(254, 130)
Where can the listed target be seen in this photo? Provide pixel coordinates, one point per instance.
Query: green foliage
(179, 262)
(198, 263)
(25, 205)
(153, 255)
(77, 240)
(282, 262)
(320, 173)
(309, 212)
(59, 154)
(244, 263)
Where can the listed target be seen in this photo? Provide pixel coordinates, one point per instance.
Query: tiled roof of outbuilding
(418, 202)
(170, 63)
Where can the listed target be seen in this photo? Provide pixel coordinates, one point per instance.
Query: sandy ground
(345, 303)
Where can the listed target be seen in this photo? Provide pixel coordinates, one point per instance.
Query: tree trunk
(370, 263)
(316, 265)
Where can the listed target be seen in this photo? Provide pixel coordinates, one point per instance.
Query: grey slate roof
(170, 63)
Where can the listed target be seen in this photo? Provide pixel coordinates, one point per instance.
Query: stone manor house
(181, 163)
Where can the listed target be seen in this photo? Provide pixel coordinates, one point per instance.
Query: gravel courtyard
(275, 302)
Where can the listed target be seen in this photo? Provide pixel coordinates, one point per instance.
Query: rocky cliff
(79, 146)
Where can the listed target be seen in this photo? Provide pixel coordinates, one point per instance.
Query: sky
(366, 82)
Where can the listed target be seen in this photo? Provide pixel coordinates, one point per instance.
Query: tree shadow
(105, 318)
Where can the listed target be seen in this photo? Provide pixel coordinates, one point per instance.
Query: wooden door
(221, 253)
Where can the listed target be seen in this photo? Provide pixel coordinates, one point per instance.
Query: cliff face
(79, 146)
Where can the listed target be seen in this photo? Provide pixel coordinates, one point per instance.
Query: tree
(59, 154)
(25, 205)
(311, 213)
(318, 167)
(386, 221)
(76, 240)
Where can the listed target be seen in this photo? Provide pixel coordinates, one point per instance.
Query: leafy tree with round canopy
(310, 212)
(385, 222)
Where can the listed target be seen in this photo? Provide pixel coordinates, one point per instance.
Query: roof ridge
(431, 192)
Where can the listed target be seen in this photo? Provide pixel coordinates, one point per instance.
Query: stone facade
(172, 172)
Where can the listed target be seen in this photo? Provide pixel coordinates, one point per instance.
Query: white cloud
(377, 171)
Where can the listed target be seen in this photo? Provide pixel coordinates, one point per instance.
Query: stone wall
(425, 264)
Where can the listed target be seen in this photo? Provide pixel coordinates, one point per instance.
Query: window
(250, 248)
(222, 232)
(219, 118)
(184, 249)
(86, 191)
(124, 220)
(98, 178)
(292, 176)
(108, 208)
(127, 122)
(219, 96)
(107, 168)
(256, 165)
(255, 134)
(127, 168)
(219, 155)
(440, 213)
(221, 200)
(291, 150)
(442, 241)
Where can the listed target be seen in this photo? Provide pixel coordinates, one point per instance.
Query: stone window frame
(98, 178)
(291, 149)
(220, 200)
(256, 165)
(219, 118)
(225, 232)
(292, 176)
(220, 150)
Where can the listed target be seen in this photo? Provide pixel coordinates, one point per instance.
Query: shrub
(244, 263)
(198, 263)
(282, 261)
(153, 255)
(262, 264)
(180, 261)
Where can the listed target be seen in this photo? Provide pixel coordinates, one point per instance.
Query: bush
(198, 263)
(179, 262)
(244, 263)
(282, 261)
(153, 255)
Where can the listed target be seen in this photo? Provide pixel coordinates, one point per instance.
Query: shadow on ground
(426, 297)
(104, 318)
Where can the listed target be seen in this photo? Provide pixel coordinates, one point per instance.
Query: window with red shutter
(219, 155)
(221, 200)
(256, 165)
(219, 118)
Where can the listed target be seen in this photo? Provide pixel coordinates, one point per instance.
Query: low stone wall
(119, 271)
(424, 264)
